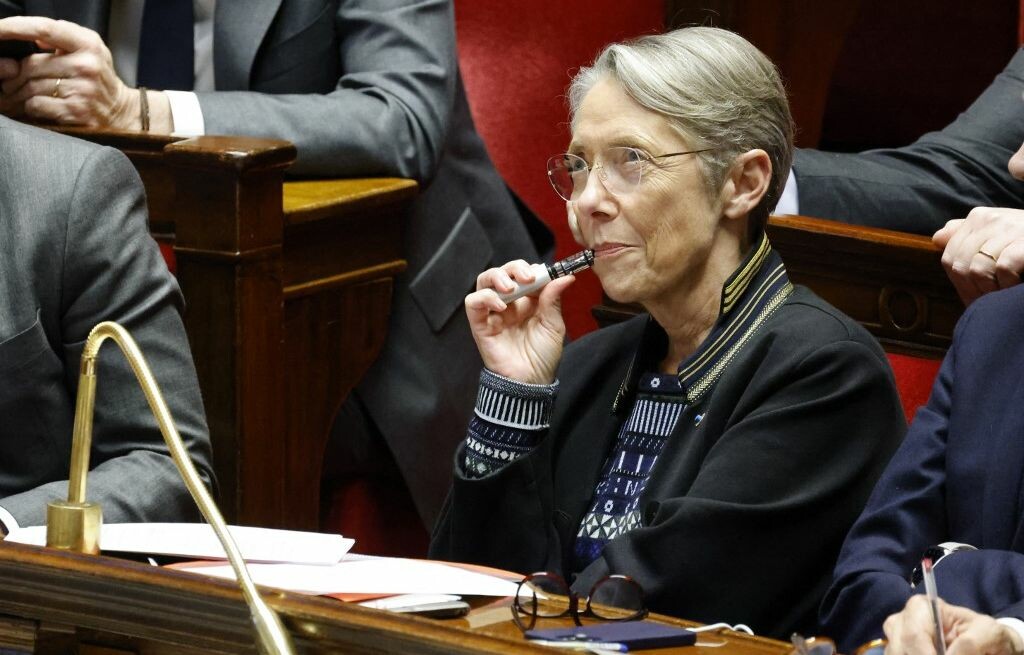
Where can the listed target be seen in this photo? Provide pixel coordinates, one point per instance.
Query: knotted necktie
(166, 45)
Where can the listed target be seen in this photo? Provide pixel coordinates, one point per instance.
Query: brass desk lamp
(75, 524)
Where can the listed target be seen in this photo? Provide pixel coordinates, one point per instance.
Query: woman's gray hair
(715, 88)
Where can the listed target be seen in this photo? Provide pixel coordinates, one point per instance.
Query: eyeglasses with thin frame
(620, 169)
(546, 595)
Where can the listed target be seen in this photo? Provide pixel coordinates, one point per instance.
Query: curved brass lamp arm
(75, 524)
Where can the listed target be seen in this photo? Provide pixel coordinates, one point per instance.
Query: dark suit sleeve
(943, 175)
(11, 8)
(931, 493)
(389, 113)
(112, 270)
(905, 515)
(780, 486)
(501, 519)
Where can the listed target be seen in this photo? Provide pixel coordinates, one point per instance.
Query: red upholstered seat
(167, 250)
(517, 57)
(379, 514)
(914, 378)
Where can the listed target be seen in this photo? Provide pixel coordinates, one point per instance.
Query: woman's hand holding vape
(521, 339)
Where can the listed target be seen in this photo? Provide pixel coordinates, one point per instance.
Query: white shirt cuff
(789, 202)
(186, 113)
(10, 524)
(1014, 624)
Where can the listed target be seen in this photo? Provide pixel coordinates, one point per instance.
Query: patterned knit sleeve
(509, 421)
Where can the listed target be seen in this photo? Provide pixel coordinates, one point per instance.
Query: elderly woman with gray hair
(717, 447)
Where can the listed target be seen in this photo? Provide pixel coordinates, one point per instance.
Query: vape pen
(544, 273)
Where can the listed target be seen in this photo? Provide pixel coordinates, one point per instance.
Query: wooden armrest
(803, 239)
(283, 281)
(311, 200)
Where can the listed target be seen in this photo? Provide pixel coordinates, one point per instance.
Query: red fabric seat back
(517, 58)
(167, 250)
(914, 378)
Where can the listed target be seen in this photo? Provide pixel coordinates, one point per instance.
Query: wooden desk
(288, 291)
(54, 601)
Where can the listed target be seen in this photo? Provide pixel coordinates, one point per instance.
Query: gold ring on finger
(56, 87)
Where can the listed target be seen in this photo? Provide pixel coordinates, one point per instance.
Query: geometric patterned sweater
(512, 417)
(498, 434)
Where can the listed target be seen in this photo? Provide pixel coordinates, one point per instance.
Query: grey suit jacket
(371, 87)
(75, 251)
(942, 175)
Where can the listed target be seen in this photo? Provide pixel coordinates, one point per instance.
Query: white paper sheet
(408, 600)
(197, 540)
(372, 575)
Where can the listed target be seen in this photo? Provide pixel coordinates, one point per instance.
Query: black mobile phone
(15, 49)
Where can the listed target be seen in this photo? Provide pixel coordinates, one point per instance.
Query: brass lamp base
(74, 526)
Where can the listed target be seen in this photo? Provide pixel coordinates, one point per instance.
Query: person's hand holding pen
(966, 632)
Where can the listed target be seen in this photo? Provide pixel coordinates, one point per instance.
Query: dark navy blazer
(956, 477)
(942, 175)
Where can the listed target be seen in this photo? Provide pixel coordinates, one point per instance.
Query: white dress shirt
(789, 201)
(123, 41)
(7, 522)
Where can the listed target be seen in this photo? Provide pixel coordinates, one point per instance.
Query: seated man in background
(76, 251)
(362, 88)
(957, 477)
(957, 172)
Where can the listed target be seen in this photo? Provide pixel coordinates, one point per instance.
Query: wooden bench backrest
(287, 289)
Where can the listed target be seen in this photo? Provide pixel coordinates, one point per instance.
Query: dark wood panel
(858, 72)
(287, 289)
(891, 282)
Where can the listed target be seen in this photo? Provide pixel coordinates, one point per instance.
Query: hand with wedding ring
(983, 252)
(72, 83)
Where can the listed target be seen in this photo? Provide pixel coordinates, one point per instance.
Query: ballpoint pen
(933, 600)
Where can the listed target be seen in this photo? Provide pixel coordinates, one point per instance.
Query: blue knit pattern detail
(490, 447)
(614, 507)
(509, 420)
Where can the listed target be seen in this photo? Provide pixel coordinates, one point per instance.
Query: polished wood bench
(288, 290)
(890, 282)
(58, 602)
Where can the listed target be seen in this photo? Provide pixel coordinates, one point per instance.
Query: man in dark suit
(957, 477)
(955, 484)
(957, 172)
(362, 87)
(75, 251)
